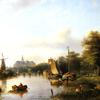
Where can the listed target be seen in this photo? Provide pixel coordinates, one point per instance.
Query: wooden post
(52, 92)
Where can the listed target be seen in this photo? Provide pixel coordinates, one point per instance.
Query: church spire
(22, 58)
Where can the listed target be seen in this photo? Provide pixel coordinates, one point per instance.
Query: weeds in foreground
(90, 91)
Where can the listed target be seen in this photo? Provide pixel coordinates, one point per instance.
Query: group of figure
(20, 87)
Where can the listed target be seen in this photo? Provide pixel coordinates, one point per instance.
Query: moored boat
(55, 76)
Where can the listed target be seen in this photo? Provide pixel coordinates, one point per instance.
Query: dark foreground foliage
(90, 89)
(86, 95)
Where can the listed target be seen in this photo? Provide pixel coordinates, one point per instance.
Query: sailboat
(53, 66)
(55, 75)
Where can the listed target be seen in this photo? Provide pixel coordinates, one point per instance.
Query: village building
(23, 63)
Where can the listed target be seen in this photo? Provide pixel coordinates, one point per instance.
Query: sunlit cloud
(52, 46)
(52, 40)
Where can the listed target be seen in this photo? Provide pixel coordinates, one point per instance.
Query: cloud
(35, 33)
(40, 49)
(53, 45)
(24, 3)
(10, 5)
(51, 40)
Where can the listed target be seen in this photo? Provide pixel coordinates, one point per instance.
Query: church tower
(22, 59)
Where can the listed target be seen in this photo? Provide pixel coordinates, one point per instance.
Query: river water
(39, 88)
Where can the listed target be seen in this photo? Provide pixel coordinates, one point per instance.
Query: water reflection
(1, 98)
(20, 93)
(3, 85)
(38, 88)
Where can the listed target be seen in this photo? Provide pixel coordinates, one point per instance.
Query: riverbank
(90, 89)
(87, 95)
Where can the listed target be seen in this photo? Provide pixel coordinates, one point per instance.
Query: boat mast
(68, 60)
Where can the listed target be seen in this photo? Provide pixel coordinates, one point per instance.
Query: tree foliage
(74, 60)
(91, 51)
(41, 67)
(62, 64)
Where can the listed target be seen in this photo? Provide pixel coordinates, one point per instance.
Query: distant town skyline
(24, 63)
(40, 29)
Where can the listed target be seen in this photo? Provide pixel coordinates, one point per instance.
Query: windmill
(3, 65)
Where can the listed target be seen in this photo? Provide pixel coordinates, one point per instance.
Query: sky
(40, 29)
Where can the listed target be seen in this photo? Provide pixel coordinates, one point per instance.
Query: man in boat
(21, 85)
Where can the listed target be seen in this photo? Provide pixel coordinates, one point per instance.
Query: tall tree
(74, 60)
(91, 49)
(62, 64)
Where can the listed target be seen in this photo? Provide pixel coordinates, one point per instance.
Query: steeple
(22, 58)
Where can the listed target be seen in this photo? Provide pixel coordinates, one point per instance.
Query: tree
(62, 64)
(91, 51)
(41, 67)
(73, 61)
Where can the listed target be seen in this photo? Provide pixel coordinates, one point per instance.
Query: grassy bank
(90, 89)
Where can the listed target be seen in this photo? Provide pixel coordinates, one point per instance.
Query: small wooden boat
(55, 82)
(19, 88)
